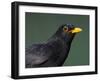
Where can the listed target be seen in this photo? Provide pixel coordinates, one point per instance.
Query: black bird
(55, 51)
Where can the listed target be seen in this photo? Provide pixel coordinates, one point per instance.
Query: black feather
(52, 53)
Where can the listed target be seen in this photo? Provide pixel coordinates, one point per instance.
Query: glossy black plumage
(52, 53)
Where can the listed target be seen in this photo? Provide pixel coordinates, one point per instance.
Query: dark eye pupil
(65, 28)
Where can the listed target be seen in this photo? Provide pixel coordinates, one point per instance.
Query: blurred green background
(41, 26)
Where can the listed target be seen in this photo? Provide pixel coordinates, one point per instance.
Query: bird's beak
(76, 30)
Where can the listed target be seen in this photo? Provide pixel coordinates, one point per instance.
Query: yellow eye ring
(65, 29)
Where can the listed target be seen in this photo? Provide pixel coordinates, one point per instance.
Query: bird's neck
(60, 40)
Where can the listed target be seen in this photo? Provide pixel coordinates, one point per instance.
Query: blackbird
(53, 52)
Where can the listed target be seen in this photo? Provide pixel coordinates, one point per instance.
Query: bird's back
(36, 55)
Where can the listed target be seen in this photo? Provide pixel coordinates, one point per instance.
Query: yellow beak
(76, 30)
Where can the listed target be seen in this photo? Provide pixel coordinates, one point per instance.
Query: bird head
(68, 31)
(69, 28)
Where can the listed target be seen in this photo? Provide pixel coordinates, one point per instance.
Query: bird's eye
(65, 29)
